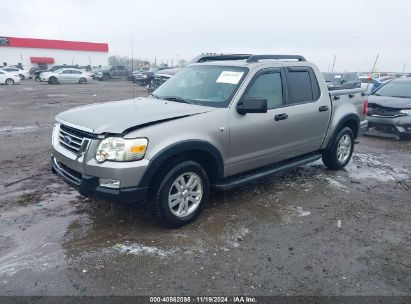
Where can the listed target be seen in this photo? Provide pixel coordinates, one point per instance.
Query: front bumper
(399, 125)
(89, 186)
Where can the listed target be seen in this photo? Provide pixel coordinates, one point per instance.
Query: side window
(268, 86)
(302, 85)
(67, 72)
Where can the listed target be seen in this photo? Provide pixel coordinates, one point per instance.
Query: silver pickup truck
(216, 124)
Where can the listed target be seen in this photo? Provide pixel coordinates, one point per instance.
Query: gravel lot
(309, 232)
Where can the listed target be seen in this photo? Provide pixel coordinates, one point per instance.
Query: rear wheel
(53, 80)
(180, 195)
(9, 81)
(338, 155)
(82, 80)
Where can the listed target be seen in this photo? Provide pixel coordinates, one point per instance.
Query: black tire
(9, 81)
(37, 78)
(105, 77)
(161, 210)
(21, 77)
(82, 80)
(53, 80)
(330, 158)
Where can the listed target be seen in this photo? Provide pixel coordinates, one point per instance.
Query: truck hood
(390, 102)
(119, 116)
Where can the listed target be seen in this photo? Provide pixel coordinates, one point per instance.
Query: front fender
(175, 149)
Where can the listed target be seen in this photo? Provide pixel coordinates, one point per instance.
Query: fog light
(110, 183)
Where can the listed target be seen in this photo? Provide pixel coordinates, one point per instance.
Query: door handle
(280, 116)
(323, 108)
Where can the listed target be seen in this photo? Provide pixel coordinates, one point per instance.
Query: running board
(261, 173)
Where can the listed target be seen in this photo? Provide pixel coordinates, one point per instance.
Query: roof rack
(219, 57)
(256, 58)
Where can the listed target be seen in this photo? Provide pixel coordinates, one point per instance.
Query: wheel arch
(201, 151)
(352, 121)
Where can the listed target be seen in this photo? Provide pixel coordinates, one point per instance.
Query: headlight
(408, 112)
(121, 149)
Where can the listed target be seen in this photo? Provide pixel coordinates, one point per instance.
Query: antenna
(373, 68)
(332, 69)
(132, 62)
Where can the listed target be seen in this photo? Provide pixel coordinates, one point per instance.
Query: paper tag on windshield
(229, 77)
(337, 76)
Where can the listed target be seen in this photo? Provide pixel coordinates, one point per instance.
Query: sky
(354, 31)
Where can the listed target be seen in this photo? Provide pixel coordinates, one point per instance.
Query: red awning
(41, 60)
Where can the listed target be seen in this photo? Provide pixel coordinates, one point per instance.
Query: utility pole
(404, 65)
(332, 69)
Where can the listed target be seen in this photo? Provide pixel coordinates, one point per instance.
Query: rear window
(302, 85)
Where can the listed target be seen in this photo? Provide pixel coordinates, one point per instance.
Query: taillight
(365, 109)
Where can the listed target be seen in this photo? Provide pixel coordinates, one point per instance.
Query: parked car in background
(53, 69)
(111, 72)
(144, 76)
(161, 77)
(23, 74)
(8, 78)
(33, 70)
(213, 124)
(380, 81)
(367, 83)
(66, 76)
(389, 108)
(341, 81)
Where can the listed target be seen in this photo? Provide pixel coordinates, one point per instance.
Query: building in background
(31, 52)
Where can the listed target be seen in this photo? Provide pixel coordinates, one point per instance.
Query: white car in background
(66, 76)
(16, 71)
(8, 78)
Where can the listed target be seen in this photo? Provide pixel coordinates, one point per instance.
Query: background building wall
(14, 55)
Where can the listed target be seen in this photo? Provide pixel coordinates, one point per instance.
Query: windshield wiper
(155, 96)
(176, 99)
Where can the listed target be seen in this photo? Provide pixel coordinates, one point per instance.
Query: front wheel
(82, 80)
(181, 194)
(338, 155)
(21, 77)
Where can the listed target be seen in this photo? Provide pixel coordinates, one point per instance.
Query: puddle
(56, 95)
(24, 129)
(371, 166)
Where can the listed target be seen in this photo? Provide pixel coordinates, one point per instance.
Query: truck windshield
(395, 88)
(203, 85)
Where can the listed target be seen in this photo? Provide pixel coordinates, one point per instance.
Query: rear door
(307, 109)
(65, 76)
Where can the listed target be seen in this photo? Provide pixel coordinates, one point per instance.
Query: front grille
(74, 140)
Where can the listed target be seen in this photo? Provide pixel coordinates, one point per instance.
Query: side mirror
(252, 105)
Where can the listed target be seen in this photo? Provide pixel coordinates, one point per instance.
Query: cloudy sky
(355, 31)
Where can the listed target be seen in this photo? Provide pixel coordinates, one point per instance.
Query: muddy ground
(309, 232)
